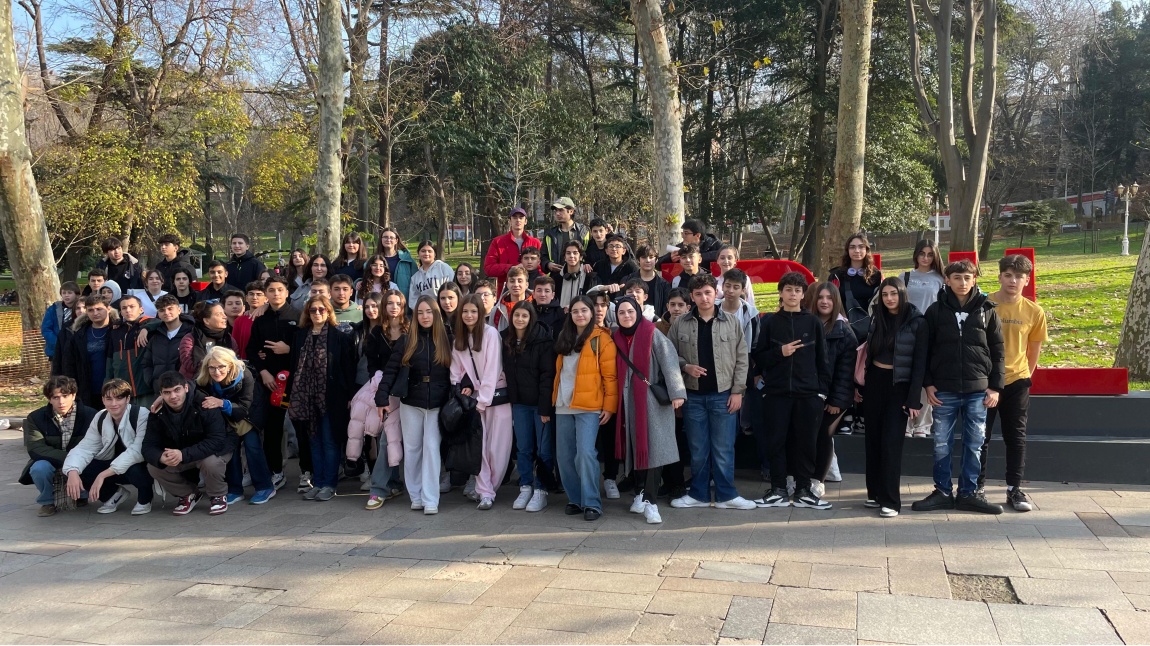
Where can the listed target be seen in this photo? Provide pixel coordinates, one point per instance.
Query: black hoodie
(530, 373)
(169, 267)
(244, 269)
(806, 372)
(966, 348)
(127, 274)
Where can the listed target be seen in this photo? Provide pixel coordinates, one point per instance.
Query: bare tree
(850, 152)
(662, 78)
(329, 81)
(965, 165)
(21, 218)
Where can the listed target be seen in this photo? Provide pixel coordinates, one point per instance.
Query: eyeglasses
(218, 368)
(616, 246)
(317, 310)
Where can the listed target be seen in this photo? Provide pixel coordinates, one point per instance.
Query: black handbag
(501, 395)
(658, 390)
(455, 412)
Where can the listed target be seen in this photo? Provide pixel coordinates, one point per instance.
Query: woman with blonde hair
(226, 384)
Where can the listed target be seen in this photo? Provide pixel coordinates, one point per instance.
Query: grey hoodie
(427, 281)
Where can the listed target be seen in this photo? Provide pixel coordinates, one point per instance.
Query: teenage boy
(689, 260)
(320, 287)
(217, 283)
(616, 268)
(734, 302)
(547, 310)
(96, 279)
(506, 250)
(516, 291)
(566, 229)
(965, 373)
(346, 311)
(791, 358)
(242, 327)
(108, 457)
(58, 317)
(49, 433)
(234, 307)
(529, 261)
(162, 352)
(125, 356)
(182, 437)
(596, 251)
(485, 290)
(185, 297)
(658, 289)
(173, 258)
(1023, 333)
(714, 359)
(604, 309)
(123, 268)
(637, 289)
(244, 267)
(694, 232)
(85, 357)
(268, 351)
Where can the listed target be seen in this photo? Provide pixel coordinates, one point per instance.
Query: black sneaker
(977, 502)
(591, 514)
(805, 498)
(773, 498)
(846, 426)
(935, 501)
(859, 426)
(1019, 500)
(572, 509)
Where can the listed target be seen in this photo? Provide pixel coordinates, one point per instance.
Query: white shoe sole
(798, 503)
(769, 505)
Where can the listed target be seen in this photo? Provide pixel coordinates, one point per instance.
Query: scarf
(309, 394)
(638, 347)
(67, 424)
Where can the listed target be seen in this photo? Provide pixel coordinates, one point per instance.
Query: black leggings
(647, 482)
(886, 431)
(605, 445)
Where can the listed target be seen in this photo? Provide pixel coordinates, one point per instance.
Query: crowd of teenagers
(568, 361)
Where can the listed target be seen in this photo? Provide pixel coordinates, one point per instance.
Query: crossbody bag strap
(627, 360)
(475, 367)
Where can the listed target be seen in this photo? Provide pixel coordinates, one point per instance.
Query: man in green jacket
(49, 433)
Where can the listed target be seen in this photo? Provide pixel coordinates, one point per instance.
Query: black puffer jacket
(244, 269)
(377, 349)
(428, 383)
(967, 356)
(804, 373)
(198, 433)
(842, 350)
(169, 267)
(531, 373)
(162, 354)
(911, 345)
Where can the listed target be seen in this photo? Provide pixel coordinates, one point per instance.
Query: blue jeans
(533, 439)
(973, 433)
(42, 474)
(710, 431)
(257, 465)
(578, 461)
(324, 455)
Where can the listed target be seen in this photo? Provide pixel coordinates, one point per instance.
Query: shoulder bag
(501, 395)
(659, 391)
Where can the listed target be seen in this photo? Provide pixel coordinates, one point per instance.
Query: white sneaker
(486, 503)
(687, 501)
(651, 513)
(525, 493)
(113, 503)
(610, 490)
(835, 475)
(416, 506)
(430, 511)
(141, 509)
(790, 485)
(469, 490)
(818, 488)
(444, 481)
(159, 491)
(639, 505)
(738, 502)
(887, 512)
(538, 500)
(304, 482)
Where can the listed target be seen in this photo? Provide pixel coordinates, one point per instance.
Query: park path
(294, 571)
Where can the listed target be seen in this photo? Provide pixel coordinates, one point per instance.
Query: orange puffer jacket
(596, 387)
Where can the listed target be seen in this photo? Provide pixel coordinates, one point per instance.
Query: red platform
(1080, 381)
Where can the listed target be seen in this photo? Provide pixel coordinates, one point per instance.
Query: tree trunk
(21, 218)
(332, 64)
(850, 152)
(662, 78)
(988, 234)
(1134, 343)
(384, 146)
(440, 199)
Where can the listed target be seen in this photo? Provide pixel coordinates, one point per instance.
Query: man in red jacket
(504, 251)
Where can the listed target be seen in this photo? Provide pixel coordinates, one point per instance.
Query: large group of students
(568, 361)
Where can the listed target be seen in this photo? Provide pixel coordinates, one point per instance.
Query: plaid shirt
(67, 424)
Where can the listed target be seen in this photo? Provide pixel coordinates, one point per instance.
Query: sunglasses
(318, 310)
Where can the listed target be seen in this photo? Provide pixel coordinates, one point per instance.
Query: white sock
(1009, 488)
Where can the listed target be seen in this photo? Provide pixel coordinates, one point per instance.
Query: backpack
(133, 420)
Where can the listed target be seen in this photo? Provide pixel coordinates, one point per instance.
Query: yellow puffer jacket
(595, 384)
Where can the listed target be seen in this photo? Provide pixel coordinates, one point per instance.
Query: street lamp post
(1126, 194)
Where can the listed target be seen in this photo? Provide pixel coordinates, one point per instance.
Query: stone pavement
(307, 572)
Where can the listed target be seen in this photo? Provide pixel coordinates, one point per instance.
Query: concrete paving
(294, 571)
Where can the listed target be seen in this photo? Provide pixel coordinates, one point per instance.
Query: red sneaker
(186, 504)
(219, 505)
